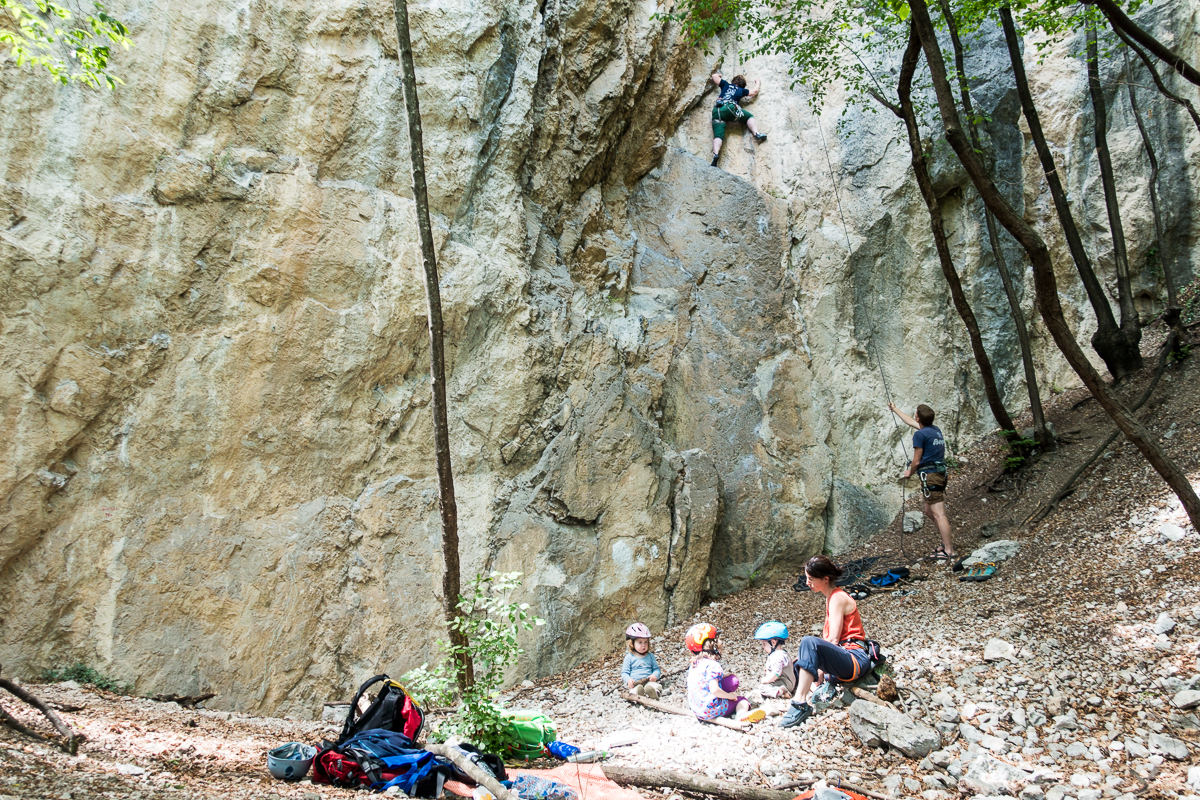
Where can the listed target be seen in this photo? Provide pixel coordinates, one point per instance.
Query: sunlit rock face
(667, 379)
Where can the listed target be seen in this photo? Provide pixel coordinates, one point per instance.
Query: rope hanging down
(871, 337)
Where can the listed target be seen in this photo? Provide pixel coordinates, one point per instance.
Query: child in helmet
(640, 671)
(710, 692)
(779, 674)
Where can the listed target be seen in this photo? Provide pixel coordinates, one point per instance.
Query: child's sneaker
(760, 137)
(753, 715)
(796, 714)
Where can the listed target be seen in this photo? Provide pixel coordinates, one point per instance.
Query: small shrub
(1189, 302)
(491, 623)
(1019, 450)
(82, 673)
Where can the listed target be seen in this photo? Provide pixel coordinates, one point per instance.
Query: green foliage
(1181, 353)
(1019, 449)
(82, 673)
(70, 46)
(1189, 302)
(491, 623)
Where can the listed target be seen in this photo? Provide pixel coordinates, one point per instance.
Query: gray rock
(1188, 698)
(988, 775)
(1171, 748)
(1056, 705)
(1056, 792)
(999, 550)
(941, 758)
(1164, 623)
(1077, 750)
(1066, 722)
(1090, 794)
(1136, 750)
(998, 649)
(1170, 532)
(854, 515)
(913, 520)
(970, 733)
(994, 743)
(1193, 777)
(875, 725)
(1032, 792)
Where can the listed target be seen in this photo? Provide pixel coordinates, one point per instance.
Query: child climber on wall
(640, 671)
(711, 693)
(779, 674)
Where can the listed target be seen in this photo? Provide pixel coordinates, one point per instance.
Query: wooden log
(863, 694)
(683, 712)
(185, 700)
(471, 768)
(72, 736)
(701, 784)
(854, 787)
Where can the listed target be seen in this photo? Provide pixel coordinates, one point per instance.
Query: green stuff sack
(531, 730)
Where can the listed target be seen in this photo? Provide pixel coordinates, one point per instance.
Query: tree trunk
(1045, 282)
(1040, 432)
(1172, 316)
(1109, 342)
(1122, 23)
(1130, 324)
(1158, 81)
(437, 357)
(921, 167)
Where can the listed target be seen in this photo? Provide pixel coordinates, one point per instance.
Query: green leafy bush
(1019, 449)
(46, 34)
(82, 673)
(491, 623)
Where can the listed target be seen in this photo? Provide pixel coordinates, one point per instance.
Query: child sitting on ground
(779, 675)
(640, 671)
(709, 689)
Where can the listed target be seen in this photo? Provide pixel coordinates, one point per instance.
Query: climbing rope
(871, 342)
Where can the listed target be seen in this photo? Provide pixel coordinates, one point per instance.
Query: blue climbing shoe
(796, 713)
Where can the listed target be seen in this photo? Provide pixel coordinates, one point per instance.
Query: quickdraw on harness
(939, 467)
(738, 114)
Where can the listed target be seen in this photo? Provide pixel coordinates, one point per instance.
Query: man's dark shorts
(723, 114)
(935, 482)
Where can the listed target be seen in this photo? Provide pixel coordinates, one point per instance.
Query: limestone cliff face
(666, 378)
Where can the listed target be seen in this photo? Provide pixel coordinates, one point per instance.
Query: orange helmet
(697, 635)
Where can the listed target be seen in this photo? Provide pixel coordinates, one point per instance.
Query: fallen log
(701, 784)
(863, 694)
(683, 712)
(72, 736)
(185, 700)
(472, 769)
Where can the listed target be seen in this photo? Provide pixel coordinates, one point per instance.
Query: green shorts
(726, 113)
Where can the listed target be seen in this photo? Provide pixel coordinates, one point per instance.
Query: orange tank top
(852, 626)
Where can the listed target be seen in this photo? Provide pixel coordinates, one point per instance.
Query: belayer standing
(929, 463)
(727, 110)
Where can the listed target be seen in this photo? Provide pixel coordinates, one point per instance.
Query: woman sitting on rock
(841, 650)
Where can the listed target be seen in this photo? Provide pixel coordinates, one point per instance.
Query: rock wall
(667, 379)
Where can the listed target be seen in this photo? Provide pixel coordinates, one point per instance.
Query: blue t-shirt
(932, 444)
(730, 93)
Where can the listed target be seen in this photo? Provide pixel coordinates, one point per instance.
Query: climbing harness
(738, 114)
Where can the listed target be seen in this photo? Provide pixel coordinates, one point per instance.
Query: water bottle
(562, 749)
(588, 756)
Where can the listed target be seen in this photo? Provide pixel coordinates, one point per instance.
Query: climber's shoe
(715, 157)
(760, 137)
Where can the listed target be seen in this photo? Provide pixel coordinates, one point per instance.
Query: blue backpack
(387, 758)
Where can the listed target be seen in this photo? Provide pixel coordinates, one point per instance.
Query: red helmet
(637, 631)
(697, 635)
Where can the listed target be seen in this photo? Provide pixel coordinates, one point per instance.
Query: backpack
(530, 730)
(392, 710)
(379, 759)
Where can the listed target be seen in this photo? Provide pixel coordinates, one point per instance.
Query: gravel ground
(1082, 603)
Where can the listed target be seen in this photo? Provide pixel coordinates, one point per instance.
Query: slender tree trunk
(1158, 81)
(1040, 433)
(1173, 313)
(1130, 324)
(1122, 357)
(1045, 282)
(925, 182)
(1122, 23)
(437, 356)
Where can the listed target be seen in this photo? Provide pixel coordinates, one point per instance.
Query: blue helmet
(771, 630)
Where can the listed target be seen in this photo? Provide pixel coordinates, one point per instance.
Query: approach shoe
(753, 715)
(796, 713)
